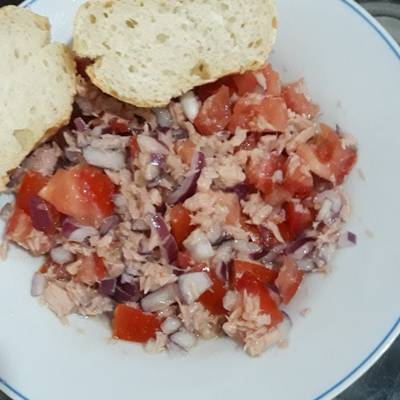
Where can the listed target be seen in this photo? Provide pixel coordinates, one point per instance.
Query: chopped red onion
(157, 159)
(189, 184)
(61, 256)
(347, 239)
(179, 134)
(160, 299)
(242, 190)
(107, 287)
(171, 325)
(151, 145)
(168, 246)
(199, 246)
(297, 244)
(126, 292)
(42, 216)
(183, 339)
(163, 116)
(190, 105)
(110, 159)
(193, 285)
(80, 124)
(109, 223)
(285, 327)
(39, 283)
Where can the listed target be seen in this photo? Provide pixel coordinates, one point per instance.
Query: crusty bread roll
(149, 51)
(37, 86)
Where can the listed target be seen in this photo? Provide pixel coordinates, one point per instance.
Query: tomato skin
(185, 150)
(207, 90)
(274, 87)
(245, 83)
(261, 273)
(259, 113)
(296, 222)
(296, 99)
(133, 147)
(118, 127)
(326, 157)
(32, 183)
(91, 270)
(289, 280)
(134, 325)
(215, 113)
(213, 298)
(20, 229)
(184, 261)
(298, 180)
(82, 192)
(180, 223)
(247, 282)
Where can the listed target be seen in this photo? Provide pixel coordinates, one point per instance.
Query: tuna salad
(197, 220)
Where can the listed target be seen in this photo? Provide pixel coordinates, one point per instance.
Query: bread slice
(149, 51)
(37, 86)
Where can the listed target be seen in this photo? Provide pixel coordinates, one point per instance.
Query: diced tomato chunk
(245, 83)
(185, 150)
(298, 219)
(207, 90)
(263, 174)
(32, 183)
(82, 192)
(249, 283)
(259, 113)
(251, 141)
(134, 325)
(212, 299)
(289, 279)
(118, 126)
(298, 179)
(133, 147)
(21, 231)
(180, 223)
(215, 113)
(273, 81)
(326, 157)
(262, 273)
(297, 100)
(91, 269)
(184, 260)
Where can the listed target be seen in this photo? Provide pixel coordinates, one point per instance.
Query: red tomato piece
(262, 173)
(21, 231)
(289, 279)
(184, 261)
(207, 90)
(245, 83)
(263, 274)
(118, 127)
(215, 113)
(326, 157)
(295, 95)
(31, 185)
(259, 113)
(249, 283)
(213, 298)
(91, 270)
(185, 150)
(298, 219)
(134, 325)
(298, 178)
(82, 192)
(133, 147)
(274, 87)
(180, 223)
(251, 141)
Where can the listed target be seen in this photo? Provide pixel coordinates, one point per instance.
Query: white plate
(352, 68)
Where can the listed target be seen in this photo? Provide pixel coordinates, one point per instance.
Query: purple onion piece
(41, 216)
(157, 159)
(80, 124)
(109, 223)
(260, 254)
(125, 292)
(107, 287)
(68, 226)
(287, 316)
(168, 246)
(242, 190)
(189, 185)
(179, 134)
(292, 247)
